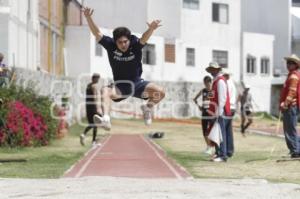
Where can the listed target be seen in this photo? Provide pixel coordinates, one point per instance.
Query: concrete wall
(270, 18)
(177, 104)
(260, 83)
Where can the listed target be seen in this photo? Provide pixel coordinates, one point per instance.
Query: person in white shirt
(233, 100)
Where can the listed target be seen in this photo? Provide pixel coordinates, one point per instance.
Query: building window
(265, 65)
(149, 54)
(251, 64)
(98, 50)
(220, 13)
(190, 57)
(191, 4)
(170, 53)
(221, 57)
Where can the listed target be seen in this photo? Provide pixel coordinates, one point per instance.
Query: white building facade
(19, 33)
(257, 70)
(194, 33)
(296, 29)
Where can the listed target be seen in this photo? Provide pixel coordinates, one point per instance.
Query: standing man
(125, 55)
(289, 105)
(228, 125)
(91, 102)
(246, 109)
(4, 80)
(219, 107)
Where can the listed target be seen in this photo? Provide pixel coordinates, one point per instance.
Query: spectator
(206, 121)
(4, 79)
(246, 109)
(289, 105)
(228, 124)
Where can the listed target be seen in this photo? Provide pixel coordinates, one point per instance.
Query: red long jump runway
(127, 156)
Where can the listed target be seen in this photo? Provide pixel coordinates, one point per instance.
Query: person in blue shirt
(125, 57)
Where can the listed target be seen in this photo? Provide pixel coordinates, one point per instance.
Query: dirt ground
(119, 188)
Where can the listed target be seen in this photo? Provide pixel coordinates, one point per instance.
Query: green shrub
(40, 105)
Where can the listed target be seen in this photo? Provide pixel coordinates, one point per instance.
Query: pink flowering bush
(25, 118)
(25, 128)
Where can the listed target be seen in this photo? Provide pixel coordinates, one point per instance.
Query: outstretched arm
(151, 27)
(88, 12)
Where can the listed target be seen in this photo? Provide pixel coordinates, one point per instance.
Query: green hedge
(39, 105)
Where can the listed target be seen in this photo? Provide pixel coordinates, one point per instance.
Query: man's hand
(88, 12)
(283, 106)
(154, 24)
(151, 27)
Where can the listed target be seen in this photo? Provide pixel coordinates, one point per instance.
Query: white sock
(106, 118)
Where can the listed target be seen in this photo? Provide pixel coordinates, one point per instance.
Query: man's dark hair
(120, 32)
(207, 79)
(1, 57)
(95, 76)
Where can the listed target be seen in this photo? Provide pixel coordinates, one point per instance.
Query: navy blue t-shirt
(127, 65)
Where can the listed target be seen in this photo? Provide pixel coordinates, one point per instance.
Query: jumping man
(125, 55)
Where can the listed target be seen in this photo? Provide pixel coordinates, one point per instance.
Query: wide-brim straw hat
(225, 71)
(213, 65)
(293, 58)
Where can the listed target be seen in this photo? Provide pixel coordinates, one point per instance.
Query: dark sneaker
(295, 155)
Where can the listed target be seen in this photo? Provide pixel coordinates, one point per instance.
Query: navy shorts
(128, 89)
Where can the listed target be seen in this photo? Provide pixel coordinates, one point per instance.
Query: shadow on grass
(185, 158)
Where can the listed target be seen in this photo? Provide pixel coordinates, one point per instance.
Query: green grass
(255, 157)
(44, 162)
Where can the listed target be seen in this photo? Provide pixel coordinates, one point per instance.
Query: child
(206, 121)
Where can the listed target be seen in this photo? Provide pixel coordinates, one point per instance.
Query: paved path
(127, 156)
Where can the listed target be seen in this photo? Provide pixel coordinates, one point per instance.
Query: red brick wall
(74, 14)
(170, 55)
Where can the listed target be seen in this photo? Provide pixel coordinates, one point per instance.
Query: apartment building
(32, 32)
